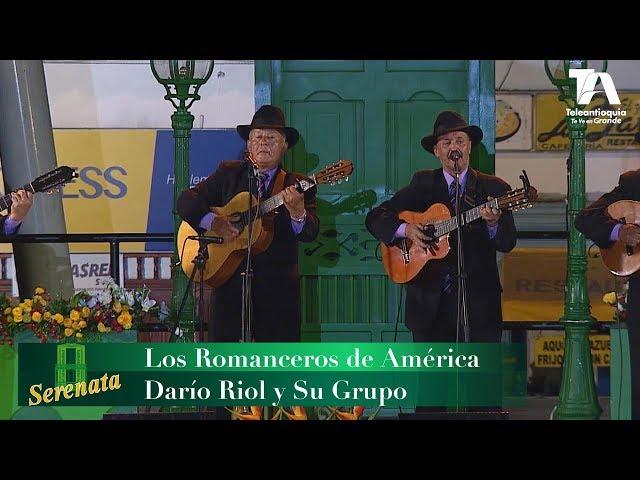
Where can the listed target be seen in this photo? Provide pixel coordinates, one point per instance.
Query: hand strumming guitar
(221, 226)
(422, 237)
(629, 234)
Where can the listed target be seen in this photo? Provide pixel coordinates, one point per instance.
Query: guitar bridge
(405, 251)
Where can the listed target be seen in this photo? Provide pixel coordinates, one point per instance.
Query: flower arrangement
(113, 309)
(619, 301)
(300, 413)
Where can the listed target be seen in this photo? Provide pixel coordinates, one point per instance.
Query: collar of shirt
(449, 178)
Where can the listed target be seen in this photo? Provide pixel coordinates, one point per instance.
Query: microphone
(206, 239)
(249, 158)
(455, 156)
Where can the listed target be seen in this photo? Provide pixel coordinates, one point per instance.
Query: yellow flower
(82, 324)
(67, 322)
(39, 291)
(127, 321)
(43, 302)
(74, 315)
(68, 332)
(125, 307)
(86, 311)
(47, 316)
(102, 328)
(37, 298)
(58, 318)
(17, 318)
(26, 318)
(78, 335)
(7, 310)
(117, 307)
(17, 311)
(28, 302)
(36, 317)
(27, 309)
(610, 298)
(124, 319)
(75, 326)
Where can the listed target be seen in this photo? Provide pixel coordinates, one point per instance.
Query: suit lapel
(440, 188)
(470, 189)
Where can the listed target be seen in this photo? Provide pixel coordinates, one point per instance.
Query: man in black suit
(275, 286)
(431, 302)
(595, 223)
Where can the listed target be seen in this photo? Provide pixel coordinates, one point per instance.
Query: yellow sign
(533, 285)
(549, 351)
(112, 191)
(605, 131)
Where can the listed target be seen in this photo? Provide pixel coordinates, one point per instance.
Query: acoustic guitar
(622, 259)
(404, 260)
(225, 258)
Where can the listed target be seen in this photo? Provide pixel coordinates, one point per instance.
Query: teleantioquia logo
(71, 378)
(586, 79)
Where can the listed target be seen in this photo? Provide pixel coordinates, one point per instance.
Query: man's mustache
(455, 155)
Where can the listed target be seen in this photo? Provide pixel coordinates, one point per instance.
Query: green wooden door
(373, 113)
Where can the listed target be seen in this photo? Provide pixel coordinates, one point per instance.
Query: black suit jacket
(276, 290)
(428, 187)
(595, 223)
(2, 220)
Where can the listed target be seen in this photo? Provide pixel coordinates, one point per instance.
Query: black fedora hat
(448, 122)
(269, 117)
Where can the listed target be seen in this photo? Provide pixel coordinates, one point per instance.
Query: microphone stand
(247, 275)
(463, 312)
(199, 263)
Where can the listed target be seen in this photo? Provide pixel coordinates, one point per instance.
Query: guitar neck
(272, 203)
(446, 226)
(5, 201)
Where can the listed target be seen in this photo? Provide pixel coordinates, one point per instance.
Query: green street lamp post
(578, 398)
(182, 79)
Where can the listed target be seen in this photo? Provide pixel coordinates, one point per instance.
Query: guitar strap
(278, 183)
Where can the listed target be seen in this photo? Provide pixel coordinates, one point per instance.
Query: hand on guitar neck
(294, 201)
(489, 214)
(21, 202)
